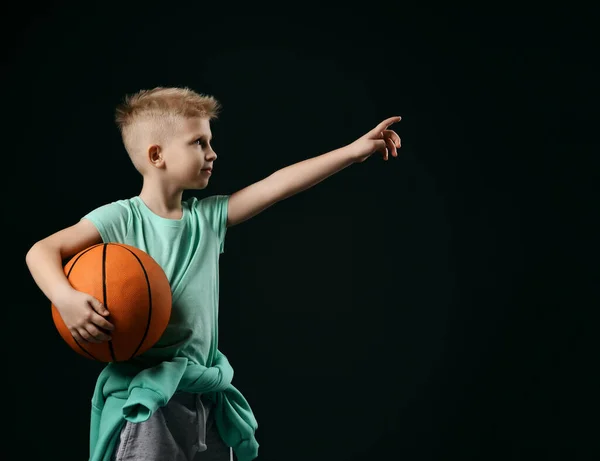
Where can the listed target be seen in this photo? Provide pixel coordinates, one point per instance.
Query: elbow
(30, 255)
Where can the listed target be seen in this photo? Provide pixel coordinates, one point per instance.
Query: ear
(155, 156)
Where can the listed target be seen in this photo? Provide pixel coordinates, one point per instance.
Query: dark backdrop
(436, 306)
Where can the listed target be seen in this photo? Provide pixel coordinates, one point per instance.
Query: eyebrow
(201, 136)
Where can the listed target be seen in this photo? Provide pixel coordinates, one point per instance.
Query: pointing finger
(387, 122)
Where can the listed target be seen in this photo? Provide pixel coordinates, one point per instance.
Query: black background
(436, 306)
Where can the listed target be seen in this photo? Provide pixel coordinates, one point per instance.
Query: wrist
(351, 152)
(61, 292)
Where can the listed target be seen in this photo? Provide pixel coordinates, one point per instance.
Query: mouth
(207, 170)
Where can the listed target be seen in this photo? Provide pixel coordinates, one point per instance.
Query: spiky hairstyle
(153, 116)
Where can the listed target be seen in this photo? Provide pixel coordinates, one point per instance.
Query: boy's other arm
(83, 314)
(45, 258)
(288, 181)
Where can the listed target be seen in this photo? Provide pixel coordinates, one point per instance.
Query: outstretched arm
(288, 181)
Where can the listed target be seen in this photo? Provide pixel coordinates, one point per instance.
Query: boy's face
(189, 154)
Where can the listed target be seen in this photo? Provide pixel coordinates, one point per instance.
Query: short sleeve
(214, 208)
(112, 221)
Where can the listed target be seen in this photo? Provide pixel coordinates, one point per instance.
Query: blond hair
(152, 116)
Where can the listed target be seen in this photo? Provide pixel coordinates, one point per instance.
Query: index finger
(387, 122)
(101, 322)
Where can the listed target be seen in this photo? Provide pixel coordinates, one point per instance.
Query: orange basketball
(133, 288)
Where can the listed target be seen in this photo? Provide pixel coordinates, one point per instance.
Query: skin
(169, 168)
(177, 166)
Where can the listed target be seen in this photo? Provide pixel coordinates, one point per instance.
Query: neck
(161, 199)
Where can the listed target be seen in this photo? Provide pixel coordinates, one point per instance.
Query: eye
(200, 142)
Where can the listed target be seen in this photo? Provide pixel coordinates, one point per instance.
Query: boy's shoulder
(207, 202)
(112, 219)
(124, 203)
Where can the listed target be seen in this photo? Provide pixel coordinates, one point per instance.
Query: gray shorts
(182, 430)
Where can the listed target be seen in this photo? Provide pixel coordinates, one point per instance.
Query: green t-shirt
(188, 250)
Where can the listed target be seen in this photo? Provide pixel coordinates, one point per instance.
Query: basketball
(133, 288)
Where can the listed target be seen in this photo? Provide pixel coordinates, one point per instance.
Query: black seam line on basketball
(149, 301)
(104, 300)
(69, 273)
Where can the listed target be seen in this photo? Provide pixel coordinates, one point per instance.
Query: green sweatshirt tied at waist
(128, 392)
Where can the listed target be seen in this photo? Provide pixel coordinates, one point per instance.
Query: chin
(200, 185)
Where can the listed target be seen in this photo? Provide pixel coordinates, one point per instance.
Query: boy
(175, 402)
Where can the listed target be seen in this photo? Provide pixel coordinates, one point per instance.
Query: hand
(84, 316)
(379, 139)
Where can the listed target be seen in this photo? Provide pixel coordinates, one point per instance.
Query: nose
(212, 155)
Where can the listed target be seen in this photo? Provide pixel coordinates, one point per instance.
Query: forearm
(45, 264)
(300, 176)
